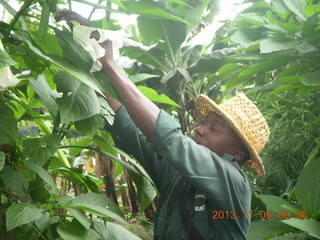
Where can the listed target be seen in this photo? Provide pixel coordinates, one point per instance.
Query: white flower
(7, 79)
(82, 34)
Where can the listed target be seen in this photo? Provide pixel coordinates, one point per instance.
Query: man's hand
(70, 16)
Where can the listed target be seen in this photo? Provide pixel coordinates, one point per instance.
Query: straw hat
(246, 119)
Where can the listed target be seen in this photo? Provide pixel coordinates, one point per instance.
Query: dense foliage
(61, 177)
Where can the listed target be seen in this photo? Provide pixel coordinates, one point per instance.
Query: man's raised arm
(142, 111)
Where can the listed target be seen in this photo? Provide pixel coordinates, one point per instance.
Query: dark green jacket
(222, 190)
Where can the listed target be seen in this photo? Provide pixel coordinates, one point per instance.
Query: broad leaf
(99, 205)
(278, 44)
(142, 76)
(78, 101)
(153, 96)
(297, 6)
(307, 189)
(45, 94)
(75, 231)
(8, 124)
(194, 12)
(172, 33)
(44, 175)
(266, 229)
(39, 150)
(78, 73)
(73, 51)
(311, 79)
(146, 8)
(79, 216)
(311, 226)
(278, 204)
(246, 36)
(2, 160)
(15, 181)
(22, 213)
(90, 125)
(109, 230)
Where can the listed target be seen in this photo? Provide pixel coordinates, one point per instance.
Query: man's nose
(201, 129)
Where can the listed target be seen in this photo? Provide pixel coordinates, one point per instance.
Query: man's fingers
(71, 16)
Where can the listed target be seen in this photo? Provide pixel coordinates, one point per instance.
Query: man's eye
(213, 129)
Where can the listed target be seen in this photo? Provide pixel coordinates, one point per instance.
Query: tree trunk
(106, 170)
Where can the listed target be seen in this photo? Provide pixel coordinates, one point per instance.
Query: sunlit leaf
(153, 96)
(278, 44)
(297, 6)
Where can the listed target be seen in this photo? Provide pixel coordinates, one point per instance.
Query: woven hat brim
(254, 164)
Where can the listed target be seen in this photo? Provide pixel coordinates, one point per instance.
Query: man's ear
(238, 154)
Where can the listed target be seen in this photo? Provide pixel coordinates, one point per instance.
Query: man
(203, 192)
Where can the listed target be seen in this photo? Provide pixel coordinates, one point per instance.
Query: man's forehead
(215, 117)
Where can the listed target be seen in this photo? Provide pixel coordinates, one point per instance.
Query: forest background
(61, 177)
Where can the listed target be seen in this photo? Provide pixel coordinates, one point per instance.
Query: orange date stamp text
(219, 214)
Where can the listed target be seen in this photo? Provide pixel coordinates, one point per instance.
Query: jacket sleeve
(130, 139)
(219, 179)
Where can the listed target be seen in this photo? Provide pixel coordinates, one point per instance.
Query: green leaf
(2, 160)
(99, 205)
(297, 6)
(246, 36)
(44, 221)
(49, 44)
(311, 79)
(142, 76)
(310, 10)
(194, 13)
(172, 33)
(153, 96)
(266, 229)
(307, 189)
(44, 175)
(109, 230)
(44, 20)
(270, 64)
(75, 231)
(278, 204)
(39, 150)
(78, 101)
(278, 44)
(147, 9)
(90, 125)
(8, 124)
(15, 181)
(78, 73)
(73, 51)
(22, 213)
(79, 216)
(45, 94)
(5, 59)
(311, 226)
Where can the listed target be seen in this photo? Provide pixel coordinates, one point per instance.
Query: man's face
(215, 134)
